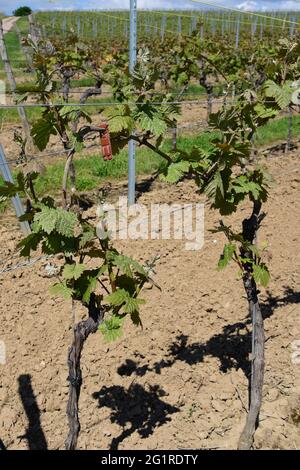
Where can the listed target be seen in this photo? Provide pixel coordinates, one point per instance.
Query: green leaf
(61, 289)
(30, 243)
(153, 123)
(91, 286)
(73, 271)
(281, 94)
(226, 257)
(136, 319)
(8, 189)
(55, 244)
(87, 235)
(126, 264)
(65, 223)
(261, 274)
(42, 130)
(265, 112)
(102, 270)
(175, 171)
(21, 179)
(46, 219)
(219, 182)
(72, 112)
(132, 305)
(112, 328)
(244, 185)
(117, 298)
(119, 118)
(48, 201)
(86, 284)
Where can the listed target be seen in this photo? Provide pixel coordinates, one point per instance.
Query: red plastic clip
(105, 142)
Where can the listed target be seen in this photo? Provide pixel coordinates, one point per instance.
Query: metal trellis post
(132, 62)
(16, 199)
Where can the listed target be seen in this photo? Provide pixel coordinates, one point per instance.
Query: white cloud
(248, 5)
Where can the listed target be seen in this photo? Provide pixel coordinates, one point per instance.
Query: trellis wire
(100, 104)
(34, 261)
(25, 264)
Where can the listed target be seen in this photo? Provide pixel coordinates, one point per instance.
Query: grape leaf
(61, 289)
(112, 328)
(261, 274)
(227, 256)
(73, 271)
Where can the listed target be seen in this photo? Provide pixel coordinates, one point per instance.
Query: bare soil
(182, 380)
(8, 23)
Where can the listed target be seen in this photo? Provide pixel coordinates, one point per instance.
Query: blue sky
(7, 6)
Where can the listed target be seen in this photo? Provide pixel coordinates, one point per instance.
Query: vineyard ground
(181, 381)
(8, 23)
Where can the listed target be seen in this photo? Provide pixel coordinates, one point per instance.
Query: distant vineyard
(100, 24)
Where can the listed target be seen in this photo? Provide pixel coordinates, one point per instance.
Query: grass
(277, 130)
(30, 85)
(14, 51)
(92, 170)
(10, 115)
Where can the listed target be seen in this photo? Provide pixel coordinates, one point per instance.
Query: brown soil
(181, 381)
(8, 23)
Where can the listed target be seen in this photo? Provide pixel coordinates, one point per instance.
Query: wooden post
(25, 50)
(16, 199)
(13, 86)
(34, 31)
(174, 136)
(163, 27)
(290, 127)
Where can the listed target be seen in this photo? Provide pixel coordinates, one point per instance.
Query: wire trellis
(33, 261)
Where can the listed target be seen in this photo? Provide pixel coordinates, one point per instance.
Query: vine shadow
(135, 409)
(34, 433)
(272, 302)
(145, 185)
(2, 446)
(231, 346)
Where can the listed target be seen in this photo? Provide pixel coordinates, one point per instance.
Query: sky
(8, 6)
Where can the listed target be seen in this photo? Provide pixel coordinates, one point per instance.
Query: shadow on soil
(139, 410)
(135, 409)
(231, 346)
(34, 433)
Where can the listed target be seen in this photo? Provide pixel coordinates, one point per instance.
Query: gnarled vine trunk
(250, 227)
(258, 363)
(81, 332)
